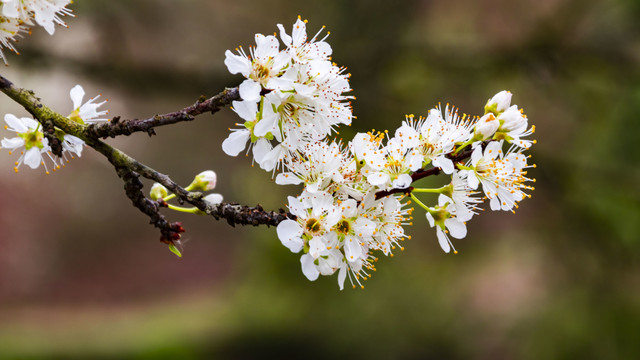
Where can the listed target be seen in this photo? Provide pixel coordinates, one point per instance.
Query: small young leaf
(175, 250)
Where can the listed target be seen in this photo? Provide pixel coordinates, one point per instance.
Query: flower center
(261, 72)
(32, 138)
(343, 226)
(313, 226)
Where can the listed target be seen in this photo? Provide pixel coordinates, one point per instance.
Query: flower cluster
(35, 148)
(352, 207)
(291, 97)
(16, 16)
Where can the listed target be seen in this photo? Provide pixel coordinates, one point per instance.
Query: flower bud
(158, 192)
(498, 103)
(486, 127)
(204, 181)
(214, 199)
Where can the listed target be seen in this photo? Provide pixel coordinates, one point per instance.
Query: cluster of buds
(36, 144)
(205, 181)
(353, 207)
(16, 17)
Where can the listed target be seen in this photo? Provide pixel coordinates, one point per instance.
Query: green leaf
(175, 250)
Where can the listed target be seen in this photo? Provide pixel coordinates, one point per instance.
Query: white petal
(76, 94)
(316, 245)
(32, 157)
(472, 180)
(364, 227)
(308, 267)
(12, 143)
(377, 178)
(342, 275)
(250, 90)
(237, 63)
(15, 124)
(495, 203)
(266, 125)
(352, 249)
(403, 181)
(287, 178)
(457, 228)
(431, 220)
(247, 110)
(286, 39)
(442, 240)
(493, 150)
(236, 142)
(260, 149)
(266, 46)
(445, 164)
(289, 233)
(476, 155)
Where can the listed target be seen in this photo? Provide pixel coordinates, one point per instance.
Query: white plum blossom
(315, 213)
(301, 50)
(462, 196)
(237, 140)
(297, 96)
(10, 30)
(85, 112)
(444, 218)
(30, 141)
(321, 165)
(502, 177)
(17, 15)
(437, 135)
(263, 64)
(386, 166)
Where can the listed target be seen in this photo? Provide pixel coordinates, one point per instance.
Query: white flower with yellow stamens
(10, 29)
(301, 50)
(30, 141)
(502, 177)
(263, 64)
(315, 213)
(443, 218)
(85, 112)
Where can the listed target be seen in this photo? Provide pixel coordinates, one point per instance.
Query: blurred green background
(82, 275)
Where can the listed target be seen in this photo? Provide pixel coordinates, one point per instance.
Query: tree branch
(129, 169)
(127, 127)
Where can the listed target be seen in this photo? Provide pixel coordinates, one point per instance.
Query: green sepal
(491, 109)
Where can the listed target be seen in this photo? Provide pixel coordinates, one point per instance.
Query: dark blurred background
(82, 274)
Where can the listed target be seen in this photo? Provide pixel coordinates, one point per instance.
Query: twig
(127, 127)
(129, 169)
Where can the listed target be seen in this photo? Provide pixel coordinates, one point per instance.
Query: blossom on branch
(17, 15)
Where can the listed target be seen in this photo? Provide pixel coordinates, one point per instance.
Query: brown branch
(129, 169)
(127, 127)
